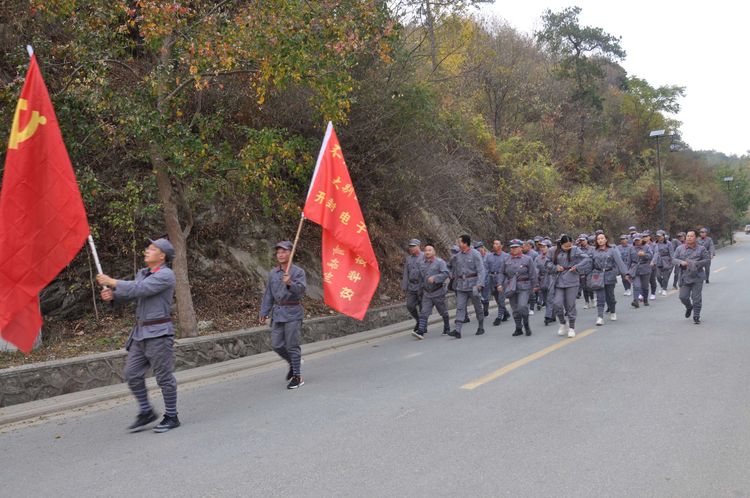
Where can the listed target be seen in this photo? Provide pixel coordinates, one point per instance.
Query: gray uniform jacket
(438, 269)
(675, 244)
(280, 302)
(468, 270)
(588, 250)
(576, 257)
(610, 262)
(494, 264)
(153, 293)
(663, 254)
(697, 258)
(541, 270)
(641, 265)
(412, 280)
(522, 267)
(708, 243)
(624, 254)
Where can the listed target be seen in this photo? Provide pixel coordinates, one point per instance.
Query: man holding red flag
(42, 219)
(350, 270)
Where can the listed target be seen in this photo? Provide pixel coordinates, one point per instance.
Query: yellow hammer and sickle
(16, 135)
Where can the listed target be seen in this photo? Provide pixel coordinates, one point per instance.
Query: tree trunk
(186, 319)
(431, 33)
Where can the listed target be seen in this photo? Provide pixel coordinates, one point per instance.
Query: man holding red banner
(42, 220)
(350, 270)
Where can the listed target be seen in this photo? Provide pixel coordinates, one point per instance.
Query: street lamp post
(656, 134)
(728, 180)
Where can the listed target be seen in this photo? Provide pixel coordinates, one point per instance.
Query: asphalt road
(650, 405)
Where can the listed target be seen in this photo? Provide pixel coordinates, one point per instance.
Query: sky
(704, 47)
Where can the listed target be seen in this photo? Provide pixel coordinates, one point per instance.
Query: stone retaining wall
(52, 378)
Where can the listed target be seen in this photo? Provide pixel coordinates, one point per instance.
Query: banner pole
(296, 239)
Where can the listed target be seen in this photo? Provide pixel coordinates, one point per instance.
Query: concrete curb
(50, 406)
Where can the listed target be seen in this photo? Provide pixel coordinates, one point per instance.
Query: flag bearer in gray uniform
(518, 279)
(494, 263)
(677, 268)
(693, 258)
(434, 277)
(479, 246)
(607, 259)
(641, 257)
(663, 254)
(151, 342)
(624, 249)
(281, 301)
(469, 276)
(708, 243)
(565, 265)
(544, 280)
(411, 282)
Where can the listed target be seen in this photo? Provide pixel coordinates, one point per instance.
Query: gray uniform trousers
(640, 286)
(605, 295)
(285, 340)
(519, 303)
(156, 353)
(677, 273)
(438, 303)
(413, 303)
(691, 295)
(565, 304)
(662, 275)
(462, 301)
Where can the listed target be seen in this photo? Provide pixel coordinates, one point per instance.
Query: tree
(643, 106)
(580, 54)
(151, 68)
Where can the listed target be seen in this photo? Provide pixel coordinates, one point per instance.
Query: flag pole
(296, 239)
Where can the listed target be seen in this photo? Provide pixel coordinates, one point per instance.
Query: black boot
(526, 326)
(446, 325)
(635, 304)
(519, 327)
(467, 319)
(688, 310)
(497, 321)
(416, 327)
(486, 308)
(480, 330)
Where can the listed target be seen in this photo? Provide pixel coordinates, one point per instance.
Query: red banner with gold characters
(350, 270)
(42, 219)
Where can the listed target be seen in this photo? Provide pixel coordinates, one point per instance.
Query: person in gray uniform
(677, 242)
(282, 303)
(469, 277)
(624, 249)
(434, 276)
(663, 254)
(565, 265)
(632, 231)
(607, 263)
(479, 246)
(494, 262)
(451, 282)
(588, 249)
(694, 259)
(151, 341)
(641, 257)
(518, 279)
(708, 243)
(544, 281)
(528, 248)
(411, 282)
(648, 241)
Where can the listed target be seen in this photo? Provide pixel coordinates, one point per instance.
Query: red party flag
(42, 219)
(350, 270)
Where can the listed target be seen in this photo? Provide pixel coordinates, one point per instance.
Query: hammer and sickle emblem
(17, 135)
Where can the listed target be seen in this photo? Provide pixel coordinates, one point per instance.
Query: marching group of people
(534, 274)
(538, 273)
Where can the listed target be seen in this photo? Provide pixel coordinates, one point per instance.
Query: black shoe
(645, 302)
(455, 333)
(143, 419)
(446, 331)
(688, 310)
(416, 327)
(547, 321)
(289, 374)
(295, 382)
(467, 320)
(635, 304)
(167, 424)
(418, 334)
(528, 332)
(518, 332)
(696, 320)
(480, 331)
(505, 318)
(497, 321)
(486, 312)
(539, 307)
(707, 281)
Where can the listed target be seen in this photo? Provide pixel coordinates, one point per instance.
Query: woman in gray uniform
(607, 263)
(641, 257)
(663, 254)
(566, 264)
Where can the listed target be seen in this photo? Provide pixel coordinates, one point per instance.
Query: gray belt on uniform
(472, 275)
(288, 303)
(156, 321)
(522, 280)
(494, 273)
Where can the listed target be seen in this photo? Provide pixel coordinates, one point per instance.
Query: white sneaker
(562, 330)
(613, 317)
(531, 312)
(640, 297)
(652, 297)
(586, 306)
(629, 292)
(599, 320)
(571, 333)
(664, 292)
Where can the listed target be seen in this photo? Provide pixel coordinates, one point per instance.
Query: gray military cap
(164, 246)
(415, 242)
(284, 244)
(478, 244)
